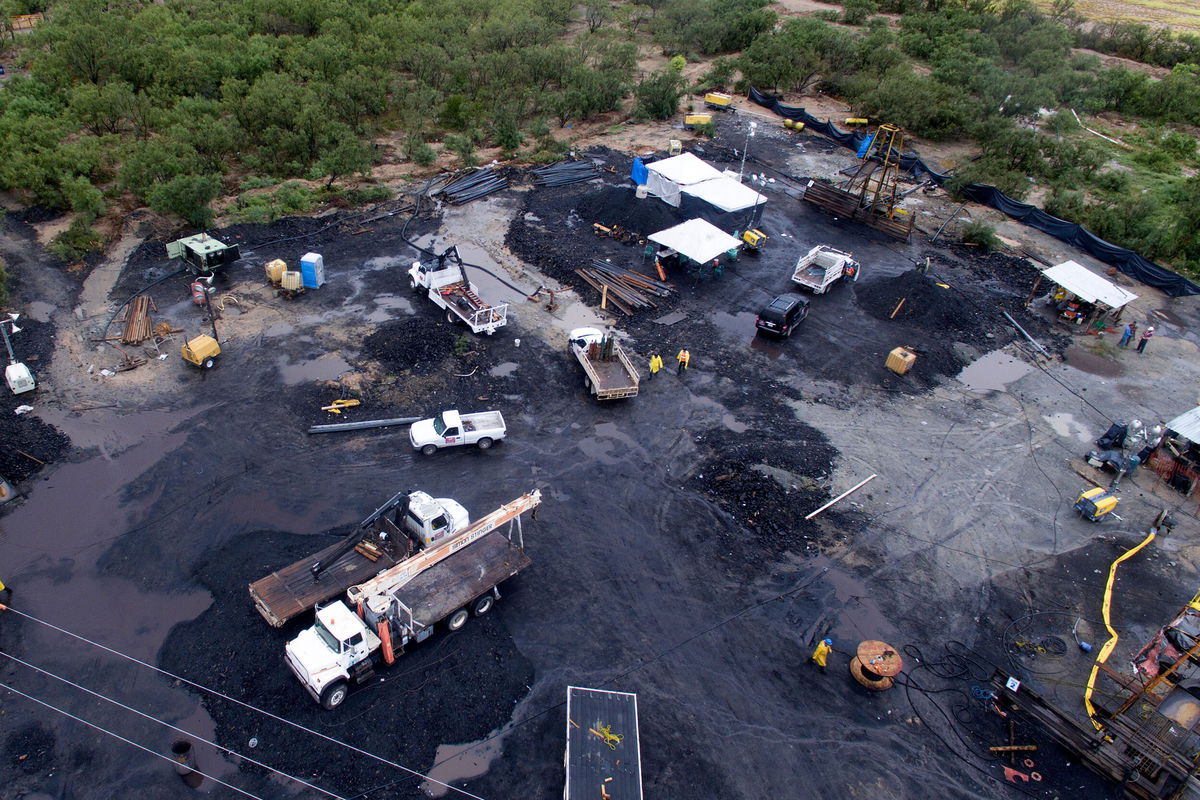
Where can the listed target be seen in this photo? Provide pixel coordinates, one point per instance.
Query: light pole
(746, 146)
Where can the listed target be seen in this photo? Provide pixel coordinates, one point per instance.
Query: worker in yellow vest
(824, 648)
(683, 358)
(656, 363)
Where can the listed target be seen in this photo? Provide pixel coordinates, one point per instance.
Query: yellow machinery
(1095, 504)
(754, 239)
(719, 101)
(692, 120)
(201, 351)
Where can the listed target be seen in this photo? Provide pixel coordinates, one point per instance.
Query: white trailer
(451, 429)
(450, 582)
(608, 372)
(449, 288)
(821, 266)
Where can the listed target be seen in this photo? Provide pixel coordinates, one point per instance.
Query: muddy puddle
(324, 368)
(1087, 361)
(993, 372)
(460, 762)
(504, 370)
(388, 307)
(40, 310)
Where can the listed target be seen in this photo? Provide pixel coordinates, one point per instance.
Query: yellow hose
(1111, 644)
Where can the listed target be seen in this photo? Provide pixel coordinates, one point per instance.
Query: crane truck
(450, 581)
(450, 288)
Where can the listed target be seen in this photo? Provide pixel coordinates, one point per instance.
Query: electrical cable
(243, 704)
(169, 725)
(127, 741)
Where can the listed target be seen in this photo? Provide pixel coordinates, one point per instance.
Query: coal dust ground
(671, 554)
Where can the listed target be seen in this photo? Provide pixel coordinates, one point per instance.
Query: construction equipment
(1095, 504)
(337, 405)
(450, 580)
(203, 254)
(753, 239)
(203, 349)
(18, 376)
(450, 288)
(609, 374)
(690, 121)
(719, 101)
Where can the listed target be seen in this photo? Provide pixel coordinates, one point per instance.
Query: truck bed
(457, 580)
(292, 590)
(591, 763)
(482, 421)
(611, 374)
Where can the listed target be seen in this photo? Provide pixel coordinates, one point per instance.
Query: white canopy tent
(698, 240)
(687, 174)
(1088, 286)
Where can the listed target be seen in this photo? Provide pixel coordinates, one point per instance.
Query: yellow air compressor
(1095, 504)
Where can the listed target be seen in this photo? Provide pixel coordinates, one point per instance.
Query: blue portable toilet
(312, 270)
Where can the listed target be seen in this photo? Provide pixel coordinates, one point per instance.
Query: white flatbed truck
(449, 288)
(402, 605)
(451, 429)
(822, 266)
(608, 372)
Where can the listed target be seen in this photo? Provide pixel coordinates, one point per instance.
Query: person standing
(819, 656)
(1128, 334)
(683, 358)
(656, 363)
(1146, 337)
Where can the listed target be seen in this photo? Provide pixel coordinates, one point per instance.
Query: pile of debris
(628, 291)
(411, 343)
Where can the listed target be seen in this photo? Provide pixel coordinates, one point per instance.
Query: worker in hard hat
(824, 648)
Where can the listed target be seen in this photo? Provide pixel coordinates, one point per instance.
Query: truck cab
(325, 656)
(430, 520)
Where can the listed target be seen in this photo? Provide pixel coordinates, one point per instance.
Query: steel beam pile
(565, 173)
(627, 291)
(480, 183)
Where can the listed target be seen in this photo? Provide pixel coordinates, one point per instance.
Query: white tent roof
(684, 169)
(1187, 425)
(1081, 281)
(696, 239)
(725, 193)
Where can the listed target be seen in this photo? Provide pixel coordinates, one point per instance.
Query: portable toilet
(312, 268)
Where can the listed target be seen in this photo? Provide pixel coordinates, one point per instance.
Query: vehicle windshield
(328, 638)
(439, 425)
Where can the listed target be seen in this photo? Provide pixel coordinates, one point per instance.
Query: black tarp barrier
(1127, 261)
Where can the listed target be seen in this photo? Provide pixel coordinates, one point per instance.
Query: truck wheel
(333, 695)
(451, 318)
(429, 449)
(413, 285)
(457, 619)
(484, 443)
(484, 605)
(209, 363)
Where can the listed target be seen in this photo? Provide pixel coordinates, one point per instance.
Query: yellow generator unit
(793, 125)
(754, 239)
(1095, 504)
(692, 120)
(201, 351)
(719, 101)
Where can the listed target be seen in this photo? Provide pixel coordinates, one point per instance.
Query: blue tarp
(1127, 261)
(639, 174)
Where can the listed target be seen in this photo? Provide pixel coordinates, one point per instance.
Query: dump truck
(449, 582)
(445, 282)
(451, 429)
(608, 372)
(821, 266)
(387, 537)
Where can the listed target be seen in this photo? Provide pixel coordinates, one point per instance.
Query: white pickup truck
(821, 266)
(450, 288)
(608, 372)
(450, 429)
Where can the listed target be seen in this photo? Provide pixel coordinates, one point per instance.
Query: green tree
(658, 95)
(186, 197)
(347, 156)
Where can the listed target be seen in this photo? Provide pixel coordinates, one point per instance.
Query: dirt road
(671, 557)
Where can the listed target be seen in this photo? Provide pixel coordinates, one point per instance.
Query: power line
(244, 704)
(169, 725)
(127, 741)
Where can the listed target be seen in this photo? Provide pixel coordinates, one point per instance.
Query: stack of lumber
(137, 320)
(628, 291)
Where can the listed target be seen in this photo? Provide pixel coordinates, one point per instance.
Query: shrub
(982, 234)
(705, 129)
(76, 241)
(855, 12)
(464, 148)
(658, 96)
